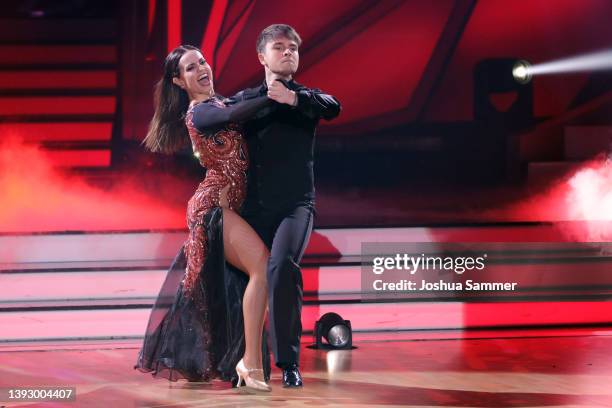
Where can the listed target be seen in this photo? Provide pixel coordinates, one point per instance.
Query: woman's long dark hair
(167, 130)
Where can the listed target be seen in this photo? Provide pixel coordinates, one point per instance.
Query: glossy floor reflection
(561, 368)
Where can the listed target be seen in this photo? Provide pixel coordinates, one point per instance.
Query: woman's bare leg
(246, 251)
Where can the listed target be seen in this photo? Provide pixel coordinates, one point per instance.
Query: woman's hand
(278, 92)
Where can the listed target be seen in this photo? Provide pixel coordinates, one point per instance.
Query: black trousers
(286, 233)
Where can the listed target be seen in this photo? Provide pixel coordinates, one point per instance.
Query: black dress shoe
(291, 376)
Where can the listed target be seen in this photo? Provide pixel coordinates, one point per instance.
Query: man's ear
(179, 82)
(262, 61)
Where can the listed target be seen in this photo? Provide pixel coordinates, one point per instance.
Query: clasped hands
(277, 91)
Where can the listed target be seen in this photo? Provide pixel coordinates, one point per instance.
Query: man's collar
(263, 89)
(291, 84)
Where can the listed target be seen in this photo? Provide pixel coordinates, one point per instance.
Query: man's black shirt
(280, 141)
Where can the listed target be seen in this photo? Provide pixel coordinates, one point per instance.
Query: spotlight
(522, 72)
(335, 330)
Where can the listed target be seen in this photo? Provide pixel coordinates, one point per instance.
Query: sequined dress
(195, 330)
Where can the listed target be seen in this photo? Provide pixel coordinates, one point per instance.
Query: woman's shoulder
(201, 116)
(216, 101)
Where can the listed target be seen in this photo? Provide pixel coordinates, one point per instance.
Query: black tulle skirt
(201, 336)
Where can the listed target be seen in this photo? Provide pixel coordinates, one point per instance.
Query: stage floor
(560, 368)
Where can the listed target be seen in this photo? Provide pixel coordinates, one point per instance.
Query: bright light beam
(597, 61)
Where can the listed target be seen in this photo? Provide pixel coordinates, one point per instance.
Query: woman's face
(195, 75)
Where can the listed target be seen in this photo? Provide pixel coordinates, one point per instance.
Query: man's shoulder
(248, 93)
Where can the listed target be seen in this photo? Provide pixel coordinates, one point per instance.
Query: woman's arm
(207, 116)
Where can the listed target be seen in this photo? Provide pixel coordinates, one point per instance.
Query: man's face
(280, 56)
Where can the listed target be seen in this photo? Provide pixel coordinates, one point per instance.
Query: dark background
(433, 129)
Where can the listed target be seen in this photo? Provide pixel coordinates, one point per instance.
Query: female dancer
(197, 329)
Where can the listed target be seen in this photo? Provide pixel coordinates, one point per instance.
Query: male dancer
(280, 184)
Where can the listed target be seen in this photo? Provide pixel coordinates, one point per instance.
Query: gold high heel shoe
(245, 374)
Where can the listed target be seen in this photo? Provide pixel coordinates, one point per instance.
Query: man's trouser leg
(285, 284)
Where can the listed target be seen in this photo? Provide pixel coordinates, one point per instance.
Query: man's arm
(314, 103)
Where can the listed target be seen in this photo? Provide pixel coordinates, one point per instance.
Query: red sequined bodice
(224, 154)
(225, 157)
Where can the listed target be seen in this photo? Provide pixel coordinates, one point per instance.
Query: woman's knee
(261, 268)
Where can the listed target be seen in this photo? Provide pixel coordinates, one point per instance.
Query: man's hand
(278, 92)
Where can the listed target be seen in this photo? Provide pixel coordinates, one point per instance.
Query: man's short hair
(273, 32)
